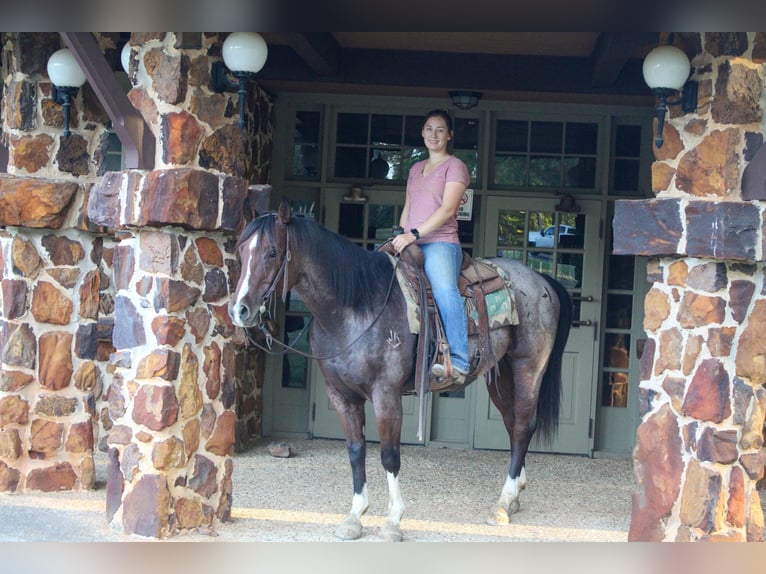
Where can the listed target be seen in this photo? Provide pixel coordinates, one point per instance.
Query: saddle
(477, 280)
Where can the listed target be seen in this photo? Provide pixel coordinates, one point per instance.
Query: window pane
(581, 138)
(580, 172)
(413, 131)
(626, 174)
(621, 272)
(619, 309)
(512, 136)
(381, 221)
(466, 134)
(386, 130)
(471, 160)
(515, 254)
(307, 127)
(546, 137)
(510, 170)
(305, 160)
(383, 163)
(628, 141)
(410, 158)
(617, 351)
(295, 366)
(352, 128)
(510, 229)
(350, 162)
(544, 171)
(615, 390)
(351, 220)
(569, 270)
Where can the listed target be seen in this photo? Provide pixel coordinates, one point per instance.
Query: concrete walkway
(448, 494)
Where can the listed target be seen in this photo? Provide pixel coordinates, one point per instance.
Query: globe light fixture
(244, 55)
(67, 77)
(465, 100)
(125, 58)
(666, 71)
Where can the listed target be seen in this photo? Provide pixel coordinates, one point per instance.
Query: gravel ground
(447, 492)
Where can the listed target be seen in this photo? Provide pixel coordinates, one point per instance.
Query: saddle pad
(501, 305)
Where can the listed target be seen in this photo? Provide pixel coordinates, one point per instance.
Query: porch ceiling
(601, 67)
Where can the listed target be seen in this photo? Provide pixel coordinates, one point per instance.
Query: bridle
(290, 347)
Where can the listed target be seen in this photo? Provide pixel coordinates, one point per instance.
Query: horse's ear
(285, 213)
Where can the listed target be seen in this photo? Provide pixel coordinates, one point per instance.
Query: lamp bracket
(220, 80)
(63, 94)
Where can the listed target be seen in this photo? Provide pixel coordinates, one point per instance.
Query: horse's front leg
(388, 412)
(351, 415)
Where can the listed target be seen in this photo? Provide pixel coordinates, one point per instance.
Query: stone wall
(113, 322)
(699, 450)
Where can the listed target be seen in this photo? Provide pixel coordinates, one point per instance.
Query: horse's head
(264, 254)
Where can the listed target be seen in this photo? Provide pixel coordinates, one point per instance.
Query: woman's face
(435, 134)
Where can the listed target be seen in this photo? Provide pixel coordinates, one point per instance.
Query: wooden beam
(318, 49)
(612, 52)
(136, 137)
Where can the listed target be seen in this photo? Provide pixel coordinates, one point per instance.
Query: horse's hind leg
(517, 403)
(351, 416)
(388, 412)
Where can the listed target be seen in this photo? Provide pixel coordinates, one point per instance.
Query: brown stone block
(726, 43)
(675, 387)
(26, 260)
(9, 478)
(672, 143)
(709, 277)
(146, 508)
(192, 514)
(12, 381)
(55, 371)
(86, 343)
(656, 309)
(80, 439)
(183, 196)
(707, 398)
(216, 286)
(50, 305)
(222, 440)
(168, 330)
(22, 104)
(87, 473)
(114, 484)
(718, 446)
(18, 346)
(670, 348)
(701, 502)
(209, 251)
(65, 276)
(162, 363)
(737, 94)
(181, 134)
(73, 156)
(191, 433)
(754, 526)
(128, 326)
(720, 340)
(696, 126)
(225, 151)
(199, 323)
(209, 108)
(204, 476)
(168, 454)
(10, 444)
(34, 202)
(62, 250)
(31, 153)
(752, 430)
(740, 295)
(158, 252)
(658, 467)
(145, 104)
(678, 271)
(155, 407)
(191, 268)
(712, 168)
(89, 295)
(212, 369)
(751, 353)
(235, 204)
(189, 393)
(207, 420)
(700, 310)
(13, 410)
(45, 438)
(647, 227)
(223, 324)
(662, 175)
(724, 230)
(53, 405)
(753, 463)
(736, 507)
(223, 512)
(173, 295)
(169, 75)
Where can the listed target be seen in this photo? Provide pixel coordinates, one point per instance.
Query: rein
(288, 347)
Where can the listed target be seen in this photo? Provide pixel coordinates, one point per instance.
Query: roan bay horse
(361, 338)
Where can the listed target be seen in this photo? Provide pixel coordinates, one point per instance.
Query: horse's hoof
(349, 529)
(513, 508)
(498, 517)
(392, 533)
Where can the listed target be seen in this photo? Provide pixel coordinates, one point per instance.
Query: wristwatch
(415, 232)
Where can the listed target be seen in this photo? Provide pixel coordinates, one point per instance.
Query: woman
(434, 189)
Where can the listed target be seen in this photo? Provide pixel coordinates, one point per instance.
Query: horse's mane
(357, 278)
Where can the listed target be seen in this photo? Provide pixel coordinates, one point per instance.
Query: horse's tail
(549, 401)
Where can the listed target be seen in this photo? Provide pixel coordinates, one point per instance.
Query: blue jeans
(442, 265)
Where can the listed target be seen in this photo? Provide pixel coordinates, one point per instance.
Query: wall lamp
(464, 100)
(244, 54)
(67, 77)
(666, 72)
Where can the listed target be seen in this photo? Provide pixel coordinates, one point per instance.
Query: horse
(366, 352)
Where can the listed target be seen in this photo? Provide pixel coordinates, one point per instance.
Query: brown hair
(440, 114)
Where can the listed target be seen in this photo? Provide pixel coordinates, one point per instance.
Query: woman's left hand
(402, 240)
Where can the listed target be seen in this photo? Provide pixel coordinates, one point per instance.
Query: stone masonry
(114, 332)
(699, 450)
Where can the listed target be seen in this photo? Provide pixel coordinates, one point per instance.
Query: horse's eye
(271, 254)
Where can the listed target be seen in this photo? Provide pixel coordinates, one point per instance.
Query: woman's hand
(403, 240)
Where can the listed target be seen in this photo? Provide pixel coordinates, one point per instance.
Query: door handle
(586, 323)
(587, 298)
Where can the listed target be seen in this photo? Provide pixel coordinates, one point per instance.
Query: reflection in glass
(544, 171)
(546, 137)
(515, 254)
(619, 309)
(351, 222)
(626, 173)
(581, 138)
(621, 272)
(510, 229)
(386, 129)
(627, 141)
(512, 136)
(471, 159)
(580, 172)
(350, 162)
(306, 160)
(510, 170)
(352, 129)
(569, 269)
(540, 261)
(381, 221)
(614, 391)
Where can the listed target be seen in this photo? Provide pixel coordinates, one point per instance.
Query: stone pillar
(699, 450)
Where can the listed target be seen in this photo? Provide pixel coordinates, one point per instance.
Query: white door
(525, 229)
